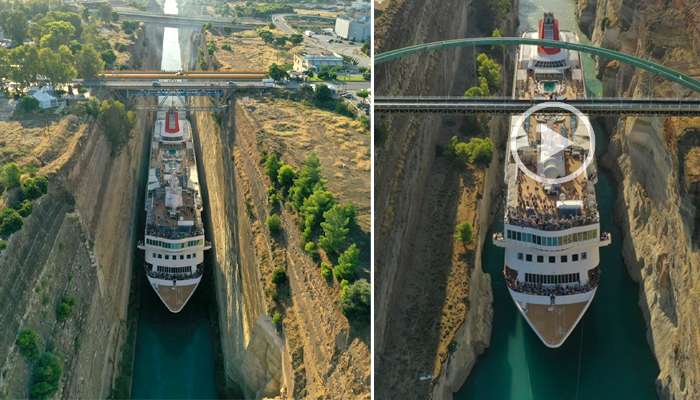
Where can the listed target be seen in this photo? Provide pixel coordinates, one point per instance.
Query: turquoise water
(607, 355)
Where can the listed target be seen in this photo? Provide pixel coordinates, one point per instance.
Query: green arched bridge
(646, 65)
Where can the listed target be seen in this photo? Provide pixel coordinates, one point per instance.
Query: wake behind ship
(551, 231)
(174, 241)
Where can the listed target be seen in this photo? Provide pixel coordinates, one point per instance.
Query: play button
(552, 142)
(554, 138)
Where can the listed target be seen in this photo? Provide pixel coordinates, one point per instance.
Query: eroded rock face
(656, 208)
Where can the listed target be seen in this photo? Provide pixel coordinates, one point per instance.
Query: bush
(64, 309)
(9, 176)
(274, 224)
(326, 270)
(3, 244)
(272, 167)
(355, 301)
(28, 343)
(226, 47)
(304, 184)
(464, 232)
(310, 248)
(312, 211)
(116, 122)
(10, 222)
(45, 376)
(34, 187)
(477, 150)
(285, 178)
(25, 208)
(279, 276)
(336, 227)
(347, 263)
(277, 319)
(28, 104)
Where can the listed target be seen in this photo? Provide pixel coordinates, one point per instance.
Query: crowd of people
(539, 289)
(551, 221)
(174, 277)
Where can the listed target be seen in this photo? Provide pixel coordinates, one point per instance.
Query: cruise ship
(174, 241)
(551, 230)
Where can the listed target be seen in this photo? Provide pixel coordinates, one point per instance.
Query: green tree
(56, 34)
(363, 94)
(323, 94)
(64, 309)
(274, 224)
(355, 301)
(28, 343)
(277, 73)
(464, 232)
(478, 91)
(104, 10)
(328, 73)
(347, 263)
(46, 375)
(272, 167)
(26, 57)
(477, 150)
(285, 177)
(266, 36)
(89, 63)
(336, 227)
(296, 38)
(25, 208)
(9, 176)
(57, 66)
(108, 57)
(304, 184)
(490, 70)
(10, 222)
(116, 123)
(14, 23)
(279, 276)
(34, 187)
(28, 104)
(313, 209)
(280, 41)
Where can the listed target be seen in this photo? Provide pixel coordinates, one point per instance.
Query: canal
(175, 354)
(607, 355)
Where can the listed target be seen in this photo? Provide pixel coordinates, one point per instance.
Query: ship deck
(553, 323)
(175, 297)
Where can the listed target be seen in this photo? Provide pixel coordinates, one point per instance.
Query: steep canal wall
(79, 242)
(422, 192)
(252, 349)
(656, 177)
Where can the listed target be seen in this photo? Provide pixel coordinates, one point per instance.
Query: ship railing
(498, 239)
(605, 238)
(176, 277)
(550, 290)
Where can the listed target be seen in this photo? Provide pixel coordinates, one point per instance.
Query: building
(353, 29)
(45, 97)
(304, 62)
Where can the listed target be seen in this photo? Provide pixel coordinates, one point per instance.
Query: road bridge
(647, 65)
(180, 21)
(507, 105)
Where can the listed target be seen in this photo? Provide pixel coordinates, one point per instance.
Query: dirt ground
(341, 143)
(42, 141)
(248, 51)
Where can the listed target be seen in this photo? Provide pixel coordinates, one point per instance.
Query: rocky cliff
(655, 161)
(79, 242)
(418, 203)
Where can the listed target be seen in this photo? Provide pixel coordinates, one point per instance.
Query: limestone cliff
(418, 202)
(655, 162)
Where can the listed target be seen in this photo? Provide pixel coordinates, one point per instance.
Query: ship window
(520, 256)
(155, 255)
(584, 255)
(167, 257)
(517, 235)
(540, 259)
(189, 256)
(509, 234)
(574, 257)
(160, 256)
(539, 239)
(182, 256)
(564, 259)
(528, 257)
(552, 259)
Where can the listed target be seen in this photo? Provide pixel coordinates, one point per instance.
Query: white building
(45, 97)
(304, 62)
(353, 29)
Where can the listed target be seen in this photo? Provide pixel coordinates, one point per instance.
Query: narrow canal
(175, 354)
(607, 356)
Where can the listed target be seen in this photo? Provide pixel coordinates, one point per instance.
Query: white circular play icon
(552, 143)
